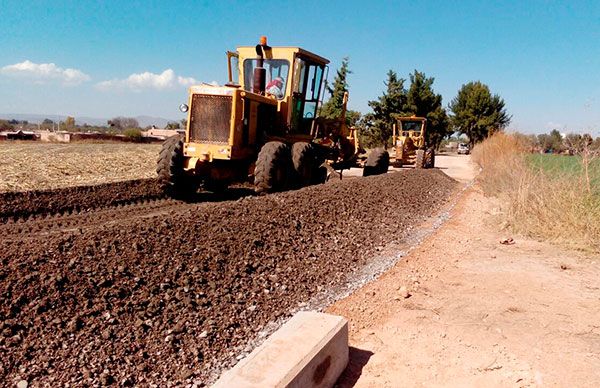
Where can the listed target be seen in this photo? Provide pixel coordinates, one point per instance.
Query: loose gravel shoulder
(172, 295)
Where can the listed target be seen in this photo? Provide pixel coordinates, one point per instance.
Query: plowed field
(42, 166)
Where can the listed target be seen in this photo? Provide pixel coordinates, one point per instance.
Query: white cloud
(186, 81)
(43, 72)
(147, 80)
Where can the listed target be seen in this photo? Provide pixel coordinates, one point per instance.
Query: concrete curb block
(309, 350)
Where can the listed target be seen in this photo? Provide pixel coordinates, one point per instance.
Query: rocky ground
(166, 292)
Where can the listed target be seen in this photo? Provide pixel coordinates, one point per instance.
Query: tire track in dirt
(146, 294)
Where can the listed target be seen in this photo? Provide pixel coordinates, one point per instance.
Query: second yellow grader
(410, 145)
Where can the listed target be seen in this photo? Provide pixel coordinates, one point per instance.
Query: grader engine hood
(212, 89)
(210, 122)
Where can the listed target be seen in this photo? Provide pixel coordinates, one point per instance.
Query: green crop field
(566, 166)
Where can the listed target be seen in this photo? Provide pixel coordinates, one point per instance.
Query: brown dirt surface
(168, 292)
(15, 205)
(463, 309)
(43, 166)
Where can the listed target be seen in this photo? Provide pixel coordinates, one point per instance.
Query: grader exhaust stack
(260, 73)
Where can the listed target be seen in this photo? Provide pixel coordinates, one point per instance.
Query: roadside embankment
(559, 205)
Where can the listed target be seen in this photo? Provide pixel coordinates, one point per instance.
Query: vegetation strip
(551, 197)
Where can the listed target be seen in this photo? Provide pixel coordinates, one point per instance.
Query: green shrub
(133, 133)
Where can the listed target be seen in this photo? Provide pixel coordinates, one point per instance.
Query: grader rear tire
(273, 168)
(171, 176)
(304, 159)
(430, 158)
(420, 159)
(377, 162)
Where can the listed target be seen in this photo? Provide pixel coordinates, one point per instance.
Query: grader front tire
(420, 159)
(169, 169)
(377, 162)
(430, 158)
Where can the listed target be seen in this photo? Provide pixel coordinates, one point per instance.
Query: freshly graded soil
(22, 204)
(169, 292)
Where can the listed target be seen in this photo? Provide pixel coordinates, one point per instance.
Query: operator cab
(412, 127)
(291, 76)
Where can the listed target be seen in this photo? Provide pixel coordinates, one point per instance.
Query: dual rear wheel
(280, 167)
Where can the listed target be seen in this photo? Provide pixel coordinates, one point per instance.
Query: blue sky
(542, 57)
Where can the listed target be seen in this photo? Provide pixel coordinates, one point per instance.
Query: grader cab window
(277, 75)
(411, 126)
(232, 68)
(308, 83)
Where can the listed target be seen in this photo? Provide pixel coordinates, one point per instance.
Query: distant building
(59, 137)
(162, 133)
(19, 135)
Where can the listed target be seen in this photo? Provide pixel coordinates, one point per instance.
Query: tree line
(119, 124)
(475, 111)
(557, 143)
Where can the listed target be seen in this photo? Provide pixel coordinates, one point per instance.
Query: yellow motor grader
(261, 126)
(410, 145)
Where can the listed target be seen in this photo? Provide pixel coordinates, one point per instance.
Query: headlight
(184, 108)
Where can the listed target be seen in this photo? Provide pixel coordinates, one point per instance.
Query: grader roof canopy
(282, 52)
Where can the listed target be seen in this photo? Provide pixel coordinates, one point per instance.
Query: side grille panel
(210, 119)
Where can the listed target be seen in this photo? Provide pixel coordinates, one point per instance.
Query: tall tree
(377, 126)
(422, 101)
(70, 123)
(332, 109)
(353, 117)
(478, 113)
(556, 141)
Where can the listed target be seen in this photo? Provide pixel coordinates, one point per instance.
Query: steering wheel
(308, 115)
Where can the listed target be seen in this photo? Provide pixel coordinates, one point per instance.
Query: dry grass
(563, 207)
(33, 165)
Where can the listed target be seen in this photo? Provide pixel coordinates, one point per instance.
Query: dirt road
(464, 310)
(456, 166)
